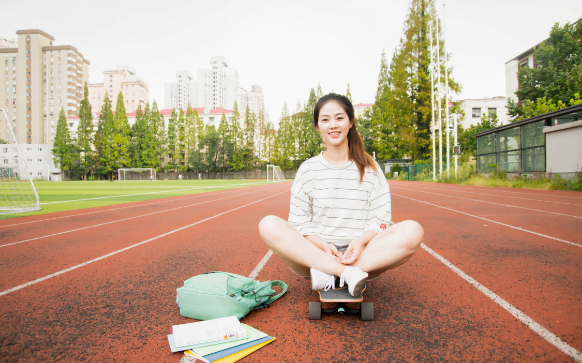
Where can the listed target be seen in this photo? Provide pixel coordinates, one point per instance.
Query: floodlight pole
(455, 117)
(432, 120)
(446, 93)
(439, 103)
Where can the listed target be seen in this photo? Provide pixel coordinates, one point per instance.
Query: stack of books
(223, 340)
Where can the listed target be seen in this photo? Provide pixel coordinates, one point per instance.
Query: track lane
(537, 275)
(566, 228)
(28, 261)
(555, 195)
(122, 308)
(23, 230)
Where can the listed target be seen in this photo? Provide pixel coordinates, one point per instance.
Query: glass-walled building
(520, 147)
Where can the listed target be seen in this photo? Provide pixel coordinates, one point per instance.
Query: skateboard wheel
(367, 311)
(314, 311)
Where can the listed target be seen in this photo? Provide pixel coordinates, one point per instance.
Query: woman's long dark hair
(357, 153)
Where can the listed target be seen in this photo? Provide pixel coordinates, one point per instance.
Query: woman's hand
(352, 253)
(332, 250)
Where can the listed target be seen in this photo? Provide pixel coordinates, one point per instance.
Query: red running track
(120, 308)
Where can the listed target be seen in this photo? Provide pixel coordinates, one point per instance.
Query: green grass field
(64, 196)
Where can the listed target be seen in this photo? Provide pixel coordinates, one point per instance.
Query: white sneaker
(355, 278)
(320, 280)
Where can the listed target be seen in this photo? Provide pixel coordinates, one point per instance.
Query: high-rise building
(123, 79)
(254, 99)
(217, 86)
(40, 79)
(181, 93)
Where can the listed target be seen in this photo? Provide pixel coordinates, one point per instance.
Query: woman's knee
(413, 232)
(268, 227)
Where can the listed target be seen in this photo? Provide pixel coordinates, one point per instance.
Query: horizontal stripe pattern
(330, 201)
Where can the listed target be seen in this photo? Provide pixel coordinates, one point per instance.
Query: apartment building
(123, 79)
(218, 86)
(254, 99)
(182, 93)
(38, 79)
(474, 109)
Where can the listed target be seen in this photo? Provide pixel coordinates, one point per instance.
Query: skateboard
(341, 297)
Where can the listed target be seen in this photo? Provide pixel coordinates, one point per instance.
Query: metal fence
(289, 174)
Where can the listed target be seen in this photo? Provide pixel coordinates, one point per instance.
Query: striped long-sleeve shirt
(329, 201)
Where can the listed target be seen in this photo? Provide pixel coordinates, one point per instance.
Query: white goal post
(143, 174)
(274, 174)
(17, 191)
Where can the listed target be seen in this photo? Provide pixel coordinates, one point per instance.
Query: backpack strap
(273, 298)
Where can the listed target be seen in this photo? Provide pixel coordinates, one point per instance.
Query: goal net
(274, 174)
(136, 174)
(17, 192)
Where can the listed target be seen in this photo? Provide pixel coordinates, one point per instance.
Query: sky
(286, 46)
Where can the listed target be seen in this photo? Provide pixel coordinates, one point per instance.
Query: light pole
(456, 147)
(432, 121)
(446, 92)
(439, 103)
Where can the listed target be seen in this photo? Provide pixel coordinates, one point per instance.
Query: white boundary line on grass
(131, 195)
(483, 201)
(19, 287)
(457, 190)
(490, 220)
(518, 314)
(529, 322)
(188, 196)
(126, 219)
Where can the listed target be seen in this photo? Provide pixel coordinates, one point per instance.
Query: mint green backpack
(219, 294)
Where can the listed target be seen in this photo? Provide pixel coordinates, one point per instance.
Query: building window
(492, 110)
(476, 112)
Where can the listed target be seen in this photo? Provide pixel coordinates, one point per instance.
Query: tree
(403, 99)
(212, 149)
(558, 72)
(158, 146)
(172, 136)
(63, 152)
(540, 106)
(104, 150)
(85, 134)
(468, 141)
(121, 136)
(225, 147)
(349, 94)
(366, 131)
(181, 142)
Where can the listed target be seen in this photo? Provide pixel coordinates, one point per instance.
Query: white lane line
(454, 190)
(127, 248)
(490, 220)
(261, 264)
(529, 322)
(483, 201)
(114, 209)
(522, 193)
(163, 191)
(124, 219)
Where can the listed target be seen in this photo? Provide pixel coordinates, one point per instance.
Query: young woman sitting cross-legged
(339, 220)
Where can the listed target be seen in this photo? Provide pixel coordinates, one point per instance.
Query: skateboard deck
(340, 295)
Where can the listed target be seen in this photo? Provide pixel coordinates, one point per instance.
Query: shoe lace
(330, 284)
(343, 277)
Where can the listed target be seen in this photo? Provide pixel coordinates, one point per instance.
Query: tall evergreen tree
(85, 134)
(158, 148)
(171, 141)
(104, 147)
(63, 151)
(349, 94)
(121, 136)
(225, 147)
(181, 142)
(403, 97)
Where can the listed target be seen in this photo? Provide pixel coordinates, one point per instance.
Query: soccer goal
(144, 174)
(17, 192)
(274, 174)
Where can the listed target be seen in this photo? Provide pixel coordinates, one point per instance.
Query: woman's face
(333, 124)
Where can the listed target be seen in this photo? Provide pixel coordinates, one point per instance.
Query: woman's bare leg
(391, 248)
(295, 250)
